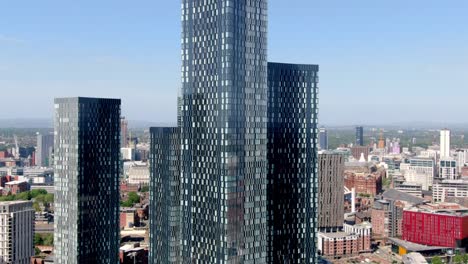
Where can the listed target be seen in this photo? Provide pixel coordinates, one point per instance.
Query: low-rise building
(337, 244)
(387, 213)
(128, 218)
(139, 174)
(449, 188)
(433, 225)
(15, 187)
(364, 233)
(410, 188)
(364, 183)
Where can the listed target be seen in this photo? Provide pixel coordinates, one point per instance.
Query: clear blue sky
(381, 61)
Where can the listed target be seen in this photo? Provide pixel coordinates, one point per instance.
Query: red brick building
(364, 183)
(443, 227)
(128, 218)
(464, 172)
(356, 151)
(15, 187)
(355, 240)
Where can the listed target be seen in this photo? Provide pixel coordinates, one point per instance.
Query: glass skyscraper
(86, 160)
(292, 157)
(164, 195)
(359, 136)
(223, 122)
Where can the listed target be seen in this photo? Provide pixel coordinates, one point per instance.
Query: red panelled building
(444, 228)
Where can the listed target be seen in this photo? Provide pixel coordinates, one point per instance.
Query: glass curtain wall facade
(292, 157)
(87, 143)
(359, 136)
(223, 118)
(164, 195)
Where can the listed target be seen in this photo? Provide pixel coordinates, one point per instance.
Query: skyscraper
(330, 193)
(164, 195)
(45, 147)
(359, 136)
(323, 138)
(124, 137)
(16, 232)
(292, 158)
(223, 118)
(444, 143)
(87, 142)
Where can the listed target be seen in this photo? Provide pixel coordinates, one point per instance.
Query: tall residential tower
(323, 138)
(292, 158)
(359, 136)
(87, 143)
(223, 118)
(164, 195)
(444, 143)
(44, 150)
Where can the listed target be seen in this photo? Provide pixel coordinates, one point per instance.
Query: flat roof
(16, 182)
(336, 234)
(410, 246)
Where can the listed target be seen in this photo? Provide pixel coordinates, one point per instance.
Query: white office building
(420, 171)
(444, 143)
(448, 169)
(16, 232)
(449, 188)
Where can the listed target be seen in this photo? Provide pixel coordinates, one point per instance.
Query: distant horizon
(135, 123)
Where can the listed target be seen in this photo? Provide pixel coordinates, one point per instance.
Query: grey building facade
(223, 118)
(323, 138)
(330, 189)
(164, 195)
(16, 232)
(44, 150)
(292, 157)
(87, 142)
(359, 136)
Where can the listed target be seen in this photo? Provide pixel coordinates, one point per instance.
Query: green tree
(36, 207)
(436, 260)
(48, 240)
(35, 193)
(132, 199)
(49, 198)
(38, 241)
(144, 189)
(459, 258)
(26, 196)
(37, 251)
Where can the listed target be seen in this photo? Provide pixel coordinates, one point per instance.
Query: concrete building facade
(16, 232)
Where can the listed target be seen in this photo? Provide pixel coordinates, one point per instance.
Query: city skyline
(132, 51)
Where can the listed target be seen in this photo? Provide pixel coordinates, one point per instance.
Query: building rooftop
(16, 182)
(410, 246)
(450, 209)
(401, 196)
(14, 202)
(336, 234)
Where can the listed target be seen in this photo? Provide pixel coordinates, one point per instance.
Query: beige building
(331, 191)
(16, 232)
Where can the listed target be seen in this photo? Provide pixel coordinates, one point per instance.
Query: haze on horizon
(380, 61)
